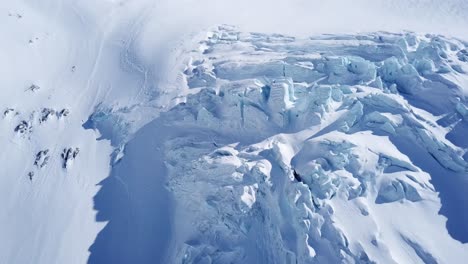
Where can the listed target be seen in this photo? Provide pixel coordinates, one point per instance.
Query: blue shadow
(136, 205)
(452, 187)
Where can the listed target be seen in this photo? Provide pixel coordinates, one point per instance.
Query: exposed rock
(23, 127)
(68, 155)
(46, 113)
(30, 175)
(8, 111)
(42, 158)
(63, 113)
(33, 88)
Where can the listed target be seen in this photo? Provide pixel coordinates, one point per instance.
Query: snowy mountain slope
(57, 66)
(233, 153)
(321, 150)
(62, 63)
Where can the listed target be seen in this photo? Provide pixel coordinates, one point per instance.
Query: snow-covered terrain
(134, 135)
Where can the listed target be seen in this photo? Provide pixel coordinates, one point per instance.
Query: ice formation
(323, 150)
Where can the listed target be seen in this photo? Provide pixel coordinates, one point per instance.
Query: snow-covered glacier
(331, 149)
(228, 145)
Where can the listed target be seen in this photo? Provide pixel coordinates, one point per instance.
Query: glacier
(298, 151)
(128, 138)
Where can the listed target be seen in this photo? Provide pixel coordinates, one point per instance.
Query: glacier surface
(322, 150)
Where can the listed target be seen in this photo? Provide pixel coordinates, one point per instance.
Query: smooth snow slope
(120, 62)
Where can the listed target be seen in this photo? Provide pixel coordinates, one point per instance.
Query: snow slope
(77, 63)
(224, 146)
